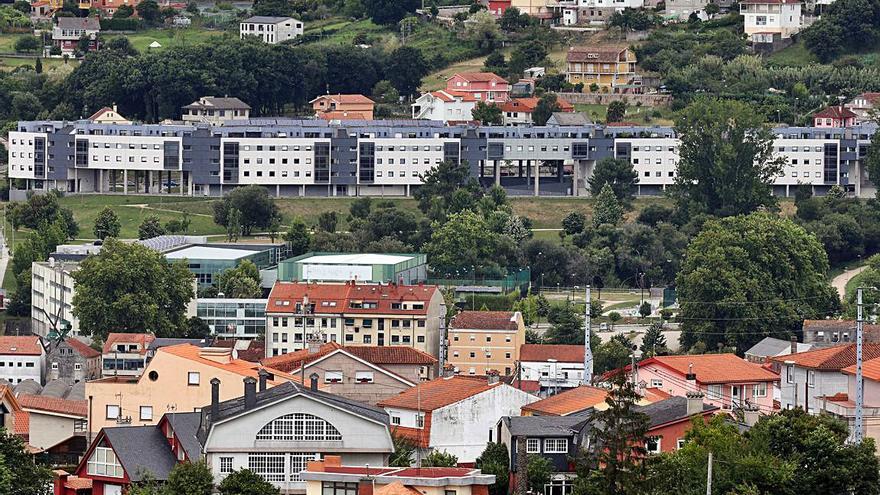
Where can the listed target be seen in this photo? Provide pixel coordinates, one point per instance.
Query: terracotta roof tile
(239, 366)
(142, 339)
(714, 368)
(395, 354)
(653, 394)
(20, 346)
(341, 98)
(21, 423)
(528, 105)
(870, 367)
(343, 115)
(82, 348)
(568, 402)
(293, 360)
(485, 320)
(833, 112)
(54, 404)
(543, 352)
(396, 488)
(77, 483)
(338, 298)
(479, 77)
(831, 358)
(439, 392)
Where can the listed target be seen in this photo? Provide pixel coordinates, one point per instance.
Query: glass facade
(234, 317)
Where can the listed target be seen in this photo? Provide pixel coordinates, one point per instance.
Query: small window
(395, 420)
(112, 411)
(811, 378)
(77, 367)
(759, 390)
(789, 374)
(363, 376)
(655, 383)
(652, 445)
(556, 446)
(533, 446)
(714, 392)
(54, 366)
(226, 465)
(192, 378)
(146, 413)
(333, 377)
(679, 444)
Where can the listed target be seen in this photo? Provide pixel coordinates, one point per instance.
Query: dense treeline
(847, 26)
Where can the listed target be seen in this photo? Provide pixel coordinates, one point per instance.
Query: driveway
(839, 282)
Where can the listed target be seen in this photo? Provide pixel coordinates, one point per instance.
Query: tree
(872, 161)
(196, 328)
(253, 202)
(653, 342)
(513, 19)
(123, 12)
(360, 207)
(190, 478)
(539, 471)
(150, 227)
(18, 471)
(566, 325)
(607, 209)
(764, 276)
(241, 282)
(298, 237)
(384, 92)
(107, 224)
(547, 104)
(487, 113)
(22, 6)
(645, 309)
(495, 63)
(495, 460)
(406, 67)
(712, 8)
(131, 288)
(616, 111)
(440, 459)
(528, 54)
(27, 44)
(574, 223)
(619, 174)
(122, 44)
(726, 164)
(482, 30)
(403, 453)
(389, 11)
(465, 243)
(148, 10)
(447, 188)
(38, 66)
(272, 8)
(327, 221)
(246, 482)
(233, 225)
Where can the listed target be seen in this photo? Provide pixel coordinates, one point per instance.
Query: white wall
(826, 383)
(15, 369)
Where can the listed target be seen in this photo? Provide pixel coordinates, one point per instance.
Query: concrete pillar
(497, 172)
(575, 172)
(125, 181)
(100, 180)
(407, 190)
(76, 180)
(302, 190)
(537, 178)
(277, 190)
(786, 191)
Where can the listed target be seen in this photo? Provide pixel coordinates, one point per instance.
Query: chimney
(365, 486)
(215, 398)
(694, 403)
(314, 344)
(492, 376)
(794, 343)
(449, 370)
(263, 376)
(313, 381)
(691, 376)
(751, 414)
(250, 392)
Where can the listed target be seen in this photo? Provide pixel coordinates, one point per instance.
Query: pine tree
(654, 342)
(607, 209)
(38, 66)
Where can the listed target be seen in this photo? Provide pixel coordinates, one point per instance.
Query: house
(22, 358)
(568, 402)
(125, 354)
(368, 374)
(670, 419)
(72, 360)
(343, 107)
(806, 378)
(770, 347)
(613, 68)
(271, 30)
(215, 111)
(843, 406)
(456, 414)
(56, 425)
(518, 111)
(275, 432)
(482, 86)
(682, 9)
(569, 118)
(835, 116)
(445, 106)
(726, 380)
(109, 7)
(767, 20)
(353, 314)
(824, 333)
(480, 341)
(330, 476)
(68, 31)
(41, 9)
(497, 7)
(176, 379)
(582, 12)
(107, 115)
(554, 366)
(9, 410)
(863, 105)
(539, 9)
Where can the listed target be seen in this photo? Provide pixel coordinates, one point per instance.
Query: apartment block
(480, 341)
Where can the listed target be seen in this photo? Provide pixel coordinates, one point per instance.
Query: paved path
(148, 207)
(839, 282)
(4, 257)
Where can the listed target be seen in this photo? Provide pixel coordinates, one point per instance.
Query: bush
(121, 24)
(27, 44)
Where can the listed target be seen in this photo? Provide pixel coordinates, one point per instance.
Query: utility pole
(709, 476)
(860, 385)
(588, 352)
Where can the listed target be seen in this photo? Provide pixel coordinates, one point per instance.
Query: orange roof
(870, 368)
(20, 346)
(439, 392)
(77, 483)
(830, 358)
(21, 423)
(653, 394)
(54, 404)
(83, 349)
(238, 366)
(568, 402)
(543, 352)
(343, 115)
(341, 98)
(142, 339)
(835, 113)
(396, 488)
(485, 320)
(293, 360)
(338, 298)
(527, 105)
(479, 77)
(449, 95)
(714, 368)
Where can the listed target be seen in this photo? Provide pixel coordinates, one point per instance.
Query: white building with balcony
(766, 20)
(554, 367)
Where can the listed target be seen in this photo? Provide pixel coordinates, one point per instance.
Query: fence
(518, 280)
(651, 100)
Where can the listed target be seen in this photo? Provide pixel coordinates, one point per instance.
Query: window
(363, 376)
(420, 421)
(103, 463)
(112, 411)
(77, 366)
(811, 378)
(679, 444)
(146, 413)
(226, 465)
(555, 446)
(54, 366)
(338, 488)
(269, 466)
(333, 377)
(759, 390)
(299, 426)
(192, 378)
(655, 383)
(533, 446)
(789, 374)
(395, 420)
(714, 392)
(652, 445)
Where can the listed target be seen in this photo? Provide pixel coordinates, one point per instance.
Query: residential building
(670, 419)
(456, 414)
(233, 318)
(215, 111)
(176, 379)
(125, 354)
(571, 401)
(52, 289)
(481, 86)
(835, 116)
(405, 269)
(539, 9)
(479, 341)
(807, 378)
(271, 30)
(367, 374)
(107, 115)
(445, 106)
(55, 424)
(726, 380)
(343, 107)
(518, 111)
(766, 20)
(497, 7)
(843, 406)
(331, 476)
(107, 7)
(582, 12)
(22, 358)
(9, 410)
(863, 105)
(609, 67)
(825, 333)
(252, 350)
(73, 361)
(770, 347)
(68, 31)
(275, 432)
(353, 314)
(553, 366)
(682, 9)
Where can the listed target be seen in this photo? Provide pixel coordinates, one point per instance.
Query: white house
(455, 414)
(766, 20)
(271, 30)
(444, 105)
(593, 11)
(22, 358)
(553, 367)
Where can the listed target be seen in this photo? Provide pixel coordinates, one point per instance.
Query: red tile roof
(338, 298)
(830, 358)
(343, 115)
(238, 366)
(530, 386)
(396, 488)
(568, 402)
(54, 404)
(340, 98)
(543, 352)
(20, 346)
(449, 95)
(21, 423)
(479, 77)
(653, 394)
(485, 320)
(142, 339)
(838, 113)
(82, 348)
(293, 360)
(870, 367)
(528, 105)
(439, 392)
(395, 354)
(77, 483)
(714, 368)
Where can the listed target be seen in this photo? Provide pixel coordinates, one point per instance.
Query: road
(633, 331)
(839, 282)
(4, 257)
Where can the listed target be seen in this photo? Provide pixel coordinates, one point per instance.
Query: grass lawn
(168, 38)
(795, 55)
(437, 80)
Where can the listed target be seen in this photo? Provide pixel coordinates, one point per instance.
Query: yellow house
(177, 379)
(486, 340)
(605, 66)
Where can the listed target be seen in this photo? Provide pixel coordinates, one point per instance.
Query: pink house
(835, 117)
(726, 380)
(484, 86)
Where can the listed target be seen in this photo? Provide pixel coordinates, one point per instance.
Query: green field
(168, 38)
(795, 55)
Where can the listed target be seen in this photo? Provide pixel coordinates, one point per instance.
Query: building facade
(763, 18)
(22, 358)
(606, 67)
(343, 107)
(481, 86)
(444, 106)
(233, 318)
(73, 361)
(52, 289)
(215, 111)
(388, 268)
(554, 367)
(68, 31)
(271, 30)
(479, 341)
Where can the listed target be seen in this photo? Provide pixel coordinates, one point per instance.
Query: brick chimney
(449, 370)
(794, 344)
(313, 381)
(263, 376)
(492, 376)
(250, 392)
(694, 403)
